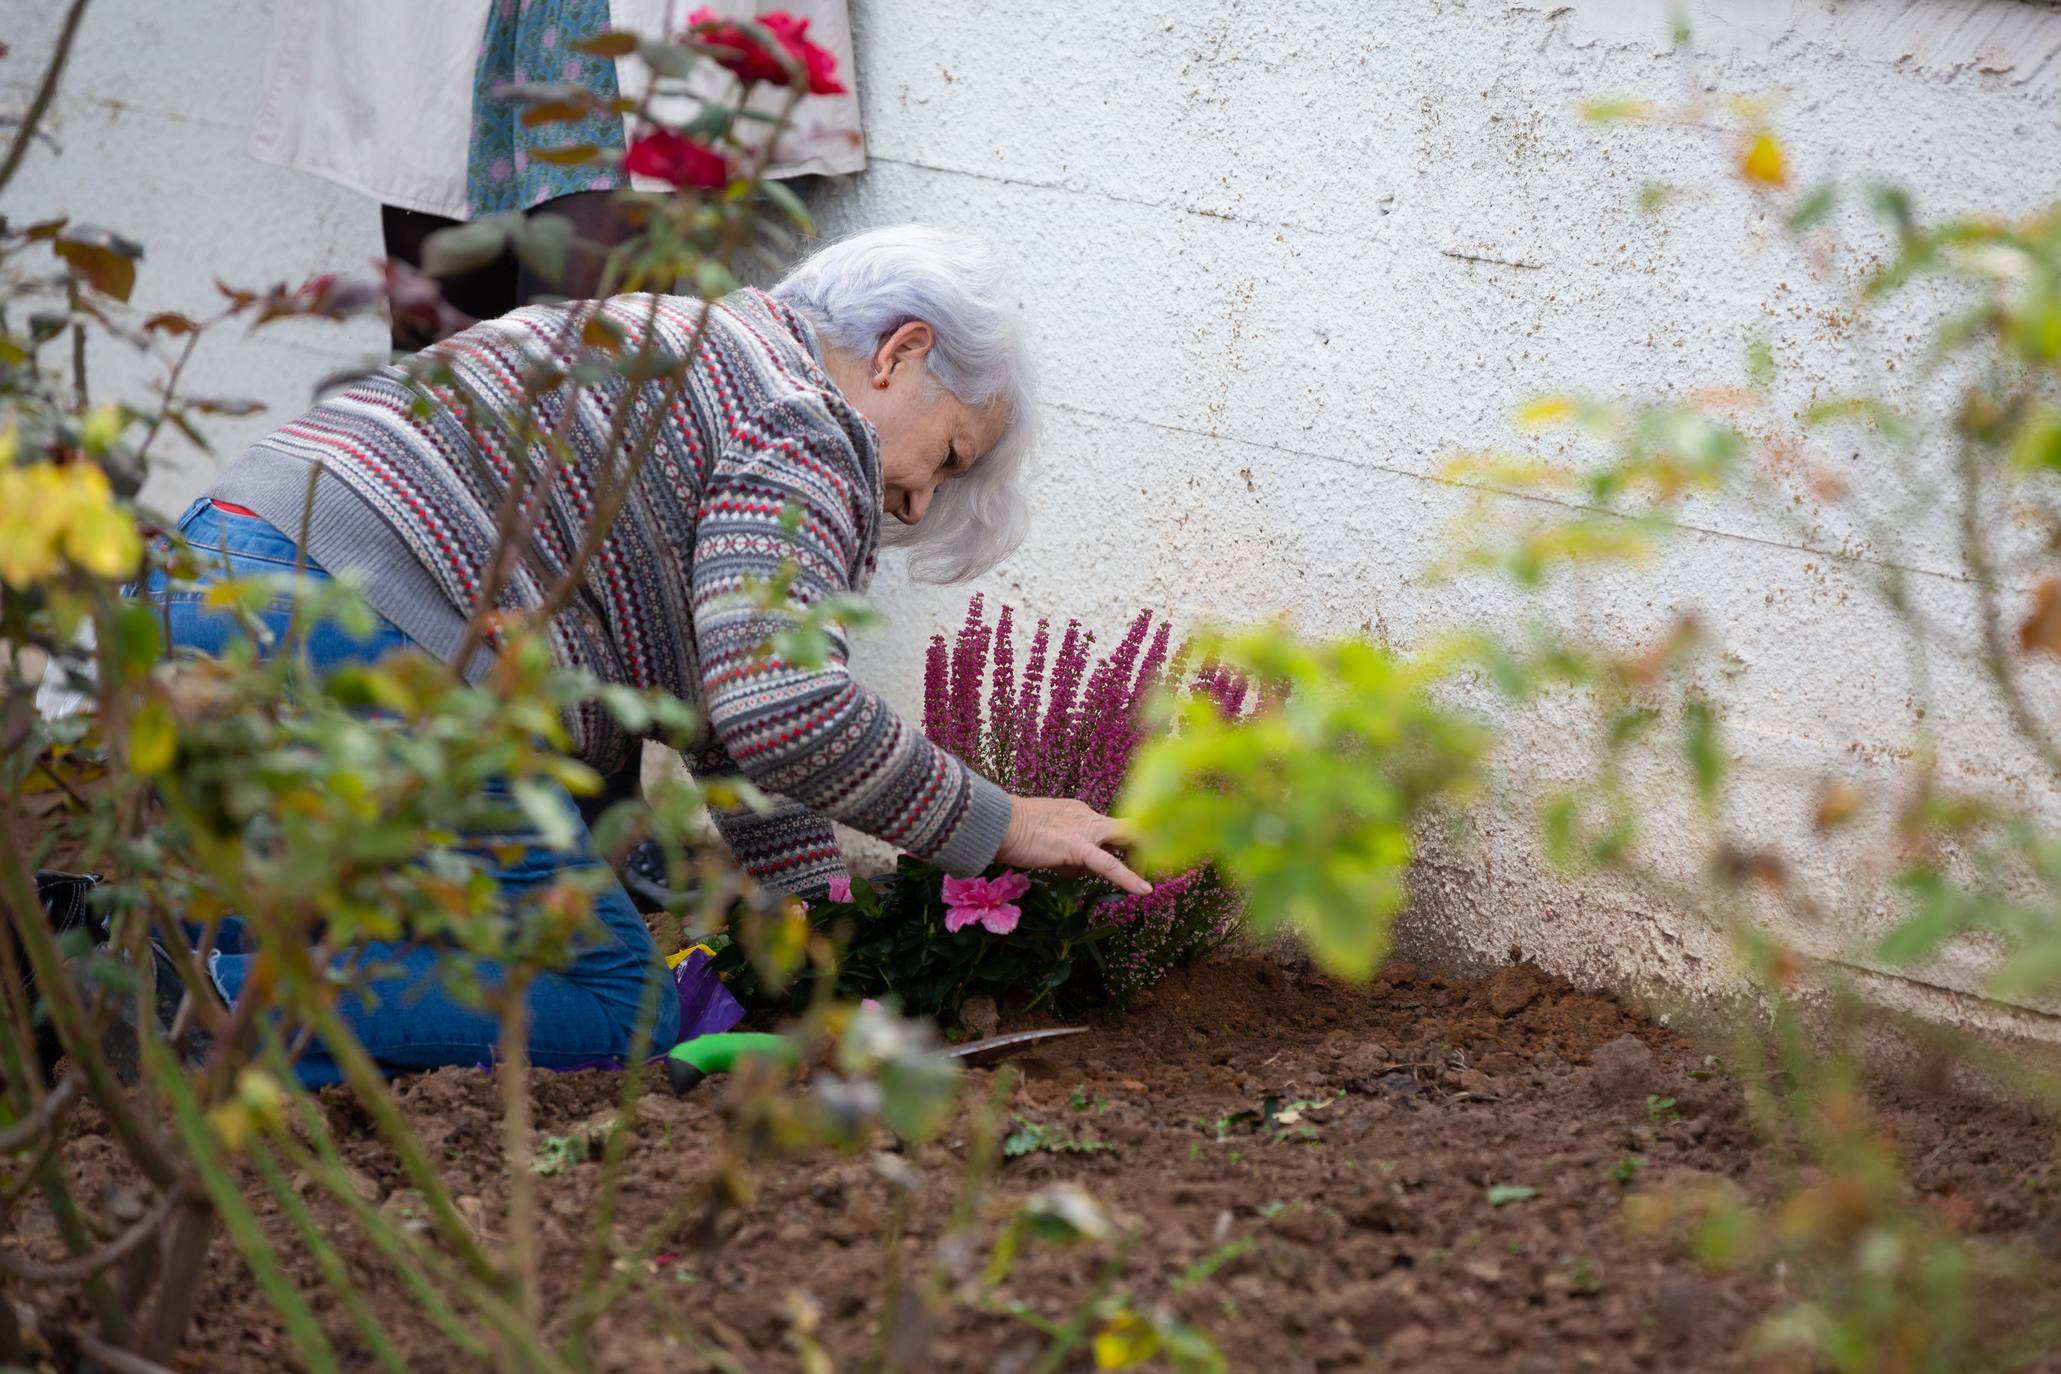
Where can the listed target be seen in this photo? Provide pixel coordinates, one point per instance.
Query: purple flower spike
(1148, 671)
(1056, 745)
(1071, 732)
(1109, 732)
(1001, 699)
(969, 665)
(936, 708)
(1025, 726)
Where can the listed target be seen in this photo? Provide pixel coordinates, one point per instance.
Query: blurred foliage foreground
(324, 810)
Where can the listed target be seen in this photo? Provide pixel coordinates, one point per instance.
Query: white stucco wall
(1280, 261)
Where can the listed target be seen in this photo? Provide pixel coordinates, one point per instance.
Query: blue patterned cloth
(531, 41)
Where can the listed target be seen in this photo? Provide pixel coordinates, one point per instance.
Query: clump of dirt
(1309, 1166)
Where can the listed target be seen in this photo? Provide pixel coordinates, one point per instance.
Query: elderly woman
(881, 378)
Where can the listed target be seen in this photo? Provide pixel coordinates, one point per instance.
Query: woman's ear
(910, 344)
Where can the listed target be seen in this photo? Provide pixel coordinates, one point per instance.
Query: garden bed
(1344, 1235)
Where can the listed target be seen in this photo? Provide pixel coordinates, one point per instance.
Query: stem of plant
(45, 93)
(518, 1148)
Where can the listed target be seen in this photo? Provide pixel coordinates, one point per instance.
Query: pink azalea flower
(990, 901)
(841, 888)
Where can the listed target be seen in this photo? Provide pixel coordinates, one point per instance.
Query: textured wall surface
(147, 138)
(1281, 260)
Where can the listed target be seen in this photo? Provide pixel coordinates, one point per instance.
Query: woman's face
(928, 436)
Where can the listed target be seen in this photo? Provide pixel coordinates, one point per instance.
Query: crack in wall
(1360, 465)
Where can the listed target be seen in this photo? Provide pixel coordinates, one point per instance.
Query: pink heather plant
(989, 901)
(1073, 736)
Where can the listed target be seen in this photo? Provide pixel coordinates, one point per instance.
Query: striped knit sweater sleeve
(814, 735)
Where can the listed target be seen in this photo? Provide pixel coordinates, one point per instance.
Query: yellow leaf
(26, 554)
(1764, 162)
(232, 1124)
(261, 1095)
(153, 740)
(1125, 1341)
(1544, 410)
(100, 429)
(102, 541)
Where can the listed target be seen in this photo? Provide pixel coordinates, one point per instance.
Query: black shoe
(644, 878)
(64, 902)
(120, 1041)
(75, 923)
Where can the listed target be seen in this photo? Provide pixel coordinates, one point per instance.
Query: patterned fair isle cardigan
(758, 426)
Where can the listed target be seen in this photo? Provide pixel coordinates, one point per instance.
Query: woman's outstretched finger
(1108, 867)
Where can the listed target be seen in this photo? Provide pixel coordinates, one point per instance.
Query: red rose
(749, 60)
(680, 161)
(815, 59)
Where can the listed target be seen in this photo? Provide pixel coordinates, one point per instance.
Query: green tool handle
(690, 1061)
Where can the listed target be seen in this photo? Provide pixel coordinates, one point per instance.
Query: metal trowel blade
(997, 1046)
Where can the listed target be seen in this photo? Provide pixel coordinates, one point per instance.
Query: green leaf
(138, 642)
(1893, 203)
(2031, 972)
(543, 242)
(668, 59)
(547, 811)
(629, 708)
(1760, 362)
(462, 247)
(790, 204)
(1723, 1237)
(2037, 444)
(1817, 203)
(153, 739)
(1503, 1195)
(713, 279)
(1701, 745)
(1942, 912)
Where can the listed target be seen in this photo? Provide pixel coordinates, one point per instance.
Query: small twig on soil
(82, 1267)
(117, 1360)
(41, 1117)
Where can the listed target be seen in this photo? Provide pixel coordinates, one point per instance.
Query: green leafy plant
(1030, 1137)
(927, 941)
(894, 943)
(314, 811)
(1309, 804)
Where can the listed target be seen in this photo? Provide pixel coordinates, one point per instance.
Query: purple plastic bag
(706, 1006)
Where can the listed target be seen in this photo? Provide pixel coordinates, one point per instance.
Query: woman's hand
(1070, 836)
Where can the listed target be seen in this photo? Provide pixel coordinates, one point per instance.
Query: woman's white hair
(858, 291)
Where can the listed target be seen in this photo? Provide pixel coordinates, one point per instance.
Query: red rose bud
(676, 160)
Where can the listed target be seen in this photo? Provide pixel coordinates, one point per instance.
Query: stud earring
(881, 384)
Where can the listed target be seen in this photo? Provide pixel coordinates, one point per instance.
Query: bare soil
(1354, 1235)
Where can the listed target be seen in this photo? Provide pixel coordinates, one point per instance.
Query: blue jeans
(402, 1009)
